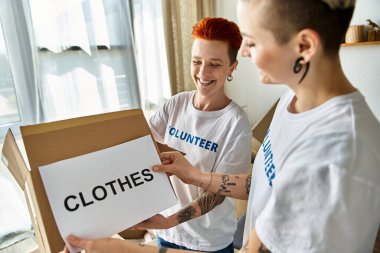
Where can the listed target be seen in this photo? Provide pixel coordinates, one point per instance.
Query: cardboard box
(50, 142)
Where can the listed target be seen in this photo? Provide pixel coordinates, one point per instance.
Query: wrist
(205, 180)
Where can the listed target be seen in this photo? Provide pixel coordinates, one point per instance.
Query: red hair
(219, 29)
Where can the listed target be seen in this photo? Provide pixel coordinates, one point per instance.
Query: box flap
(50, 142)
(13, 159)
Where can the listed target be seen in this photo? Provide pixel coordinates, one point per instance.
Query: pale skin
(210, 66)
(324, 81)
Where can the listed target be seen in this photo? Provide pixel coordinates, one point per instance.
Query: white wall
(361, 64)
(246, 89)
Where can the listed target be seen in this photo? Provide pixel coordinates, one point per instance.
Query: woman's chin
(266, 80)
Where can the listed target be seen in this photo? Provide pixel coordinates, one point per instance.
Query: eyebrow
(213, 59)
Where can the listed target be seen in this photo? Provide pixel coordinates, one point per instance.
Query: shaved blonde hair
(329, 18)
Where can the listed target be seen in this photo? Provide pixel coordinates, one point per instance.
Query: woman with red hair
(206, 125)
(214, 133)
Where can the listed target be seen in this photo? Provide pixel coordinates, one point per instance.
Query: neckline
(216, 113)
(331, 102)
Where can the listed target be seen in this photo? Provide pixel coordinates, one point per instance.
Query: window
(86, 57)
(9, 109)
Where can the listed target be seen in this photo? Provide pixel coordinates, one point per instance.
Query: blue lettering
(208, 145)
(268, 158)
(190, 138)
(267, 146)
(271, 178)
(184, 135)
(270, 168)
(195, 140)
(214, 147)
(202, 143)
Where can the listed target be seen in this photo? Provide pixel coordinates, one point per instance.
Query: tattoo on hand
(248, 183)
(263, 249)
(186, 214)
(208, 201)
(225, 185)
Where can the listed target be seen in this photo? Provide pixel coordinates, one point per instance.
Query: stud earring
(230, 78)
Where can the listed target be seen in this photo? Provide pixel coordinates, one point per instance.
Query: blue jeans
(162, 243)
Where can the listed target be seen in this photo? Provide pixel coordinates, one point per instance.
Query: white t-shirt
(217, 141)
(316, 179)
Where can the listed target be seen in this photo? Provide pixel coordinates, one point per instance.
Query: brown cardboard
(50, 142)
(13, 160)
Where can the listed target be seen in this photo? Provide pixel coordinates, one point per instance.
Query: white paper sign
(102, 193)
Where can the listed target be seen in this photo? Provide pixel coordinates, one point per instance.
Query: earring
(298, 66)
(230, 78)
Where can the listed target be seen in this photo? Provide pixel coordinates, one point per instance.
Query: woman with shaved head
(315, 183)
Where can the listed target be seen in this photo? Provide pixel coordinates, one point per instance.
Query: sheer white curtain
(151, 54)
(18, 90)
(86, 57)
(60, 59)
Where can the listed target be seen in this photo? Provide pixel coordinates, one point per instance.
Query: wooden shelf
(366, 43)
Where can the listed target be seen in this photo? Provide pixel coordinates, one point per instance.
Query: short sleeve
(236, 154)
(314, 209)
(158, 121)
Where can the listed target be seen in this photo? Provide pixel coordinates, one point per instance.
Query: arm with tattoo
(202, 205)
(235, 186)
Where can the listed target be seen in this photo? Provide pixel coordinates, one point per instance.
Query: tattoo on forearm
(162, 250)
(186, 214)
(263, 249)
(248, 183)
(224, 186)
(208, 201)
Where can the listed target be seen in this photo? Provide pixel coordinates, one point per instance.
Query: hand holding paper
(174, 163)
(110, 190)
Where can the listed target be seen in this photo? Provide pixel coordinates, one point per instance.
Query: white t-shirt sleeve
(238, 158)
(158, 122)
(312, 207)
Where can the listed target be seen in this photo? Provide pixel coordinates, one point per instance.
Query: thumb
(77, 242)
(163, 168)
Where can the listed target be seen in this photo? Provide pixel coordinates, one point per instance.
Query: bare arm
(116, 246)
(253, 245)
(235, 186)
(202, 205)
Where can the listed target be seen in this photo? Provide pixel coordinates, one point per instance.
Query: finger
(169, 155)
(163, 168)
(166, 162)
(65, 250)
(77, 242)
